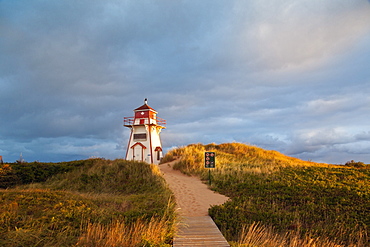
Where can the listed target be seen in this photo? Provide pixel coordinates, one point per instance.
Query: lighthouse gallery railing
(130, 121)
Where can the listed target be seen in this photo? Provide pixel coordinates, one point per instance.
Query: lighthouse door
(138, 152)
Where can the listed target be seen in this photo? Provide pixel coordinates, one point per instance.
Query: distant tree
(8, 177)
(355, 164)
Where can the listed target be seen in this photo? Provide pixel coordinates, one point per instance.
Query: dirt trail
(192, 196)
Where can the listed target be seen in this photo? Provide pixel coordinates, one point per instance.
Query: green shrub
(34, 172)
(355, 164)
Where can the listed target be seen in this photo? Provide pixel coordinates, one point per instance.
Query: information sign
(209, 159)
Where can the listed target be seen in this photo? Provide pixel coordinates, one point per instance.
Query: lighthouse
(144, 143)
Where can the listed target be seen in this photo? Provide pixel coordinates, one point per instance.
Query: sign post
(209, 162)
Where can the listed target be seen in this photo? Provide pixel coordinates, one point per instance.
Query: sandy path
(193, 197)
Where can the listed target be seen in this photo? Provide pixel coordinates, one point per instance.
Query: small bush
(355, 164)
(34, 172)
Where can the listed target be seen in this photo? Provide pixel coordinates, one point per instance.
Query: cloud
(282, 75)
(302, 33)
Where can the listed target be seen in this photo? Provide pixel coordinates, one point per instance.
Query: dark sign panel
(209, 159)
(139, 136)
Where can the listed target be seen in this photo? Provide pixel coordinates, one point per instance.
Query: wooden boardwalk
(199, 231)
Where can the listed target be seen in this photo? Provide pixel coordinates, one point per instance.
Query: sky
(285, 75)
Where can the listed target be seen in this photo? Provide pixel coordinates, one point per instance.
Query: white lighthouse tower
(144, 143)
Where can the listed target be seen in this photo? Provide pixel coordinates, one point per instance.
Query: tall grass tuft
(259, 235)
(119, 233)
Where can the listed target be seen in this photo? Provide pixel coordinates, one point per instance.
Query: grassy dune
(98, 203)
(278, 200)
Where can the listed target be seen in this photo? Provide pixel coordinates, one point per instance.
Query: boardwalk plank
(199, 231)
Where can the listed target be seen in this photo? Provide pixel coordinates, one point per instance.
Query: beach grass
(301, 203)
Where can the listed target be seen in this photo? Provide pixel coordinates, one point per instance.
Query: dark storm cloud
(286, 75)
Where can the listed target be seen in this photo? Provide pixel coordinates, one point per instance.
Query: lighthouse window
(140, 136)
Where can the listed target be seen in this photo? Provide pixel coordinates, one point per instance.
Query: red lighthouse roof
(145, 107)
